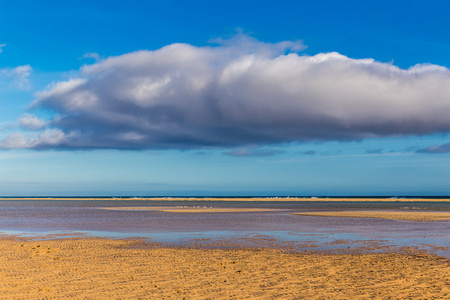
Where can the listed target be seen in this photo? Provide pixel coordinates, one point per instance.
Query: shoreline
(133, 268)
(262, 199)
(415, 216)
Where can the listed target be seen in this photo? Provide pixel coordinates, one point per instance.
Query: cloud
(251, 151)
(242, 92)
(15, 140)
(29, 121)
(49, 138)
(374, 151)
(310, 152)
(1, 46)
(19, 75)
(242, 44)
(409, 149)
(95, 56)
(445, 148)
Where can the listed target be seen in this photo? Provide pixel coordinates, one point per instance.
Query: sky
(224, 98)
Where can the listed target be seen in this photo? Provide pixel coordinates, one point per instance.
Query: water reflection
(270, 228)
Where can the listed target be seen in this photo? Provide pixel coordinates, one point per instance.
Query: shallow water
(45, 217)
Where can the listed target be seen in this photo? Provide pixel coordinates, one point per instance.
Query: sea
(49, 218)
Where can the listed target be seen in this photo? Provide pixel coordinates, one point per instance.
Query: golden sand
(417, 216)
(250, 199)
(192, 209)
(127, 269)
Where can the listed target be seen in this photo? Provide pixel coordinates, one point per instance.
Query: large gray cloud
(238, 93)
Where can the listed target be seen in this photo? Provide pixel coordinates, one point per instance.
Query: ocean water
(40, 218)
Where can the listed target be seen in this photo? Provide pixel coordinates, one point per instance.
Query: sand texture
(193, 209)
(416, 216)
(132, 269)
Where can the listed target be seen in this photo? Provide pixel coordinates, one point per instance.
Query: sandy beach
(131, 269)
(418, 216)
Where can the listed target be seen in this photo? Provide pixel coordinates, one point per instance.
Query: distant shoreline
(392, 215)
(262, 199)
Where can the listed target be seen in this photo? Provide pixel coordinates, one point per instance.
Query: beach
(221, 249)
(267, 150)
(131, 269)
(391, 215)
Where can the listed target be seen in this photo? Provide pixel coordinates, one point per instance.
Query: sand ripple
(127, 269)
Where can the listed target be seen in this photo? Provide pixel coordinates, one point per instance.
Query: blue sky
(224, 98)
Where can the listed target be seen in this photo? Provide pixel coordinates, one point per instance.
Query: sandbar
(416, 216)
(97, 268)
(192, 209)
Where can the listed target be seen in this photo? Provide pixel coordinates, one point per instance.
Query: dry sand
(249, 199)
(133, 269)
(192, 209)
(417, 216)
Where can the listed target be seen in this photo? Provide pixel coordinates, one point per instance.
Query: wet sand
(130, 269)
(419, 216)
(192, 209)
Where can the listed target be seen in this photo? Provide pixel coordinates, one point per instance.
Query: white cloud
(242, 92)
(14, 141)
(29, 121)
(49, 137)
(95, 56)
(1, 46)
(46, 139)
(19, 75)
